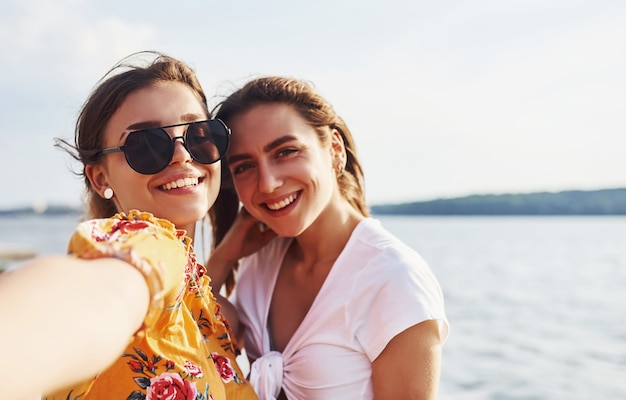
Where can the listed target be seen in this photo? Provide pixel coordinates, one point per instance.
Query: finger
(262, 227)
(268, 234)
(245, 216)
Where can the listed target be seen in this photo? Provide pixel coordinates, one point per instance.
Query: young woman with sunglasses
(335, 307)
(129, 313)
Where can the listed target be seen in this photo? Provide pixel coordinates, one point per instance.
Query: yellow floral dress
(184, 350)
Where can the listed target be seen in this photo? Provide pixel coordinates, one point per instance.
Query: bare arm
(243, 238)
(65, 319)
(409, 367)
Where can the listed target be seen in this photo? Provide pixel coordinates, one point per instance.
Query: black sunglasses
(149, 151)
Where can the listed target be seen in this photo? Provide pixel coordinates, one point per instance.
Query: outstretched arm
(65, 319)
(409, 367)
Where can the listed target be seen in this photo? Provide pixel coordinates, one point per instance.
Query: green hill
(572, 202)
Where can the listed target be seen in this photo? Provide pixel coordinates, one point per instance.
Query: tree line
(572, 202)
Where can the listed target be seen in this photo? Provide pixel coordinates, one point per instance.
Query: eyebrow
(267, 148)
(190, 117)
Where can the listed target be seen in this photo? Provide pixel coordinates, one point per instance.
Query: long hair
(135, 72)
(318, 113)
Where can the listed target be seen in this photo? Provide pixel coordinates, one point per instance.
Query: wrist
(217, 260)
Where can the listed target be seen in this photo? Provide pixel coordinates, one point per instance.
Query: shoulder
(135, 235)
(394, 288)
(385, 265)
(124, 225)
(379, 248)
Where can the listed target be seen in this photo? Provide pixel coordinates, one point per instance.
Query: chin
(288, 231)
(184, 217)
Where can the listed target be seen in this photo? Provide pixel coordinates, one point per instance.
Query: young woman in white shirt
(332, 306)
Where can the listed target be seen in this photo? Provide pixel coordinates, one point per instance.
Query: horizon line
(41, 207)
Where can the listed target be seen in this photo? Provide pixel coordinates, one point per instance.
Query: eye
(285, 152)
(240, 168)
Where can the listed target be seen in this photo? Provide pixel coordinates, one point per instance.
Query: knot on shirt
(266, 375)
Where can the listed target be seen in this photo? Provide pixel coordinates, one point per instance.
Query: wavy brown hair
(135, 72)
(318, 113)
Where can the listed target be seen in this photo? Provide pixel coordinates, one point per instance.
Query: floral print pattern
(224, 368)
(169, 386)
(187, 351)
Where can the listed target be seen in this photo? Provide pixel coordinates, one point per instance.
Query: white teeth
(282, 203)
(179, 183)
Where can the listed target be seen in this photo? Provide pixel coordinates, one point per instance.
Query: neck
(190, 230)
(325, 239)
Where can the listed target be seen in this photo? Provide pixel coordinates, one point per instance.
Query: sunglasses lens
(148, 151)
(207, 141)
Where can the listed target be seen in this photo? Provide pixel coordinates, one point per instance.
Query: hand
(246, 236)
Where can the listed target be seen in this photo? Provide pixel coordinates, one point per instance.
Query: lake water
(537, 305)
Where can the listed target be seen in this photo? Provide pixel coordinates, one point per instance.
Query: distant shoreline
(570, 202)
(52, 210)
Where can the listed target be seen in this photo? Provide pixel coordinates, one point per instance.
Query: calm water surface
(537, 305)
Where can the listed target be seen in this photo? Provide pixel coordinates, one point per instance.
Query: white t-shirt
(377, 288)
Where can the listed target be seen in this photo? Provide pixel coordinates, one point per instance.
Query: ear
(97, 176)
(338, 148)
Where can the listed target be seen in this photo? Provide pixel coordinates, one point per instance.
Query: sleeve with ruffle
(153, 246)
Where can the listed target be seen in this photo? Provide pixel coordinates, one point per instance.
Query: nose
(181, 154)
(269, 179)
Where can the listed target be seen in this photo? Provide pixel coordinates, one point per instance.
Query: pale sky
(445, 98)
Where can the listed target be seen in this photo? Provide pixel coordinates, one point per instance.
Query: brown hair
(311, 106)
(135, 72)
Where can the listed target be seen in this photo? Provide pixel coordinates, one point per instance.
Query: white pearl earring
(108, 193)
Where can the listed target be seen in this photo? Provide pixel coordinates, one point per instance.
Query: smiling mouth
(181, 183)
(282, 204)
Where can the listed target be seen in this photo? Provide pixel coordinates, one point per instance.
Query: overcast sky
(445, 98)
